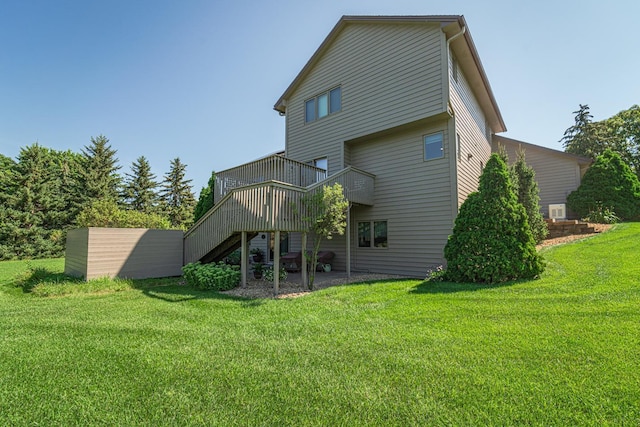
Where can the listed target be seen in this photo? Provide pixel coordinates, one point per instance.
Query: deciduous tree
(325, 216)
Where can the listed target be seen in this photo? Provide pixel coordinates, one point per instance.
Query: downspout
(455, 36)
(452, 137)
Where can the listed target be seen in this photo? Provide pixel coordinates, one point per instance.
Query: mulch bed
(599, 228)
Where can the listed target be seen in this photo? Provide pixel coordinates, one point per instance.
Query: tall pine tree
(99, 179)
(528, 194)
(177, 197)
(140, 188)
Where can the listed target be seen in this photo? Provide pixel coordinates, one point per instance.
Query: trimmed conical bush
(491, 240)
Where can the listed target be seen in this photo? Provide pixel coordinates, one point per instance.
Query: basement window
(372, 234)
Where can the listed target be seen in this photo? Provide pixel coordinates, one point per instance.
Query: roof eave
(473, 67)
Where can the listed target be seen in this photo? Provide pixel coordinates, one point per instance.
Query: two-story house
(400, 112)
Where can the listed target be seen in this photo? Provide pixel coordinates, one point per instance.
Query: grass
(562, 350)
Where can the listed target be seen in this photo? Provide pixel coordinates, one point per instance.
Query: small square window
(433, 146)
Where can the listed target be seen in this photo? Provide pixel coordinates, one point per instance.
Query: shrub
(528, 195)
(268, 274)
(491, 240)
(610, 183)
(234, 257)
(106, 213)
(216, 277)
(602, 215)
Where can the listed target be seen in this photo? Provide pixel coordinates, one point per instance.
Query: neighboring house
(557, 173)
(396, 109)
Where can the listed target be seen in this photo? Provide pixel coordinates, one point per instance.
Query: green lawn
(562, 350)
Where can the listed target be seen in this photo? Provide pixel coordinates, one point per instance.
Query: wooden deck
(267, 205)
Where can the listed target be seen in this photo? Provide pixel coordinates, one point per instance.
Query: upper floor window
(433, 146)
(322, 105)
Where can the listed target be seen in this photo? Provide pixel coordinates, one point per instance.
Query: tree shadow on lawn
(437, 287)
(182, 293)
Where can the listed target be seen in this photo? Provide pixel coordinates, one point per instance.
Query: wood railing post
(305, 280)
(276, 262)
(244, 258)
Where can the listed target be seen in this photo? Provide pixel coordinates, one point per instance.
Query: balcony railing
(272, 168)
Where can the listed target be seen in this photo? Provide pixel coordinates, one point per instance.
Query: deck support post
(303, 267)
(348, 231)
(276, 262)
(244, 258)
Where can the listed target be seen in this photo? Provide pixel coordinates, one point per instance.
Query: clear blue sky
(198, 79)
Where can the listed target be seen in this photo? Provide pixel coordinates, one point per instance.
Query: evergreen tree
(586, 137)
(140, 187)
(526, 187)
(491, 240)
(205, 200)
(34, 210)
(610, 184)
(177, 197)
(99, 178)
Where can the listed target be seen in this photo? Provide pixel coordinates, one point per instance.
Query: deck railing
(272, 168)
(267, 206)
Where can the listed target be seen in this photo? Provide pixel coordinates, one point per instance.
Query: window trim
(424, 146)
(316, 105)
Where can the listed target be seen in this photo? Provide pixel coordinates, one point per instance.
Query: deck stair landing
(561, 228)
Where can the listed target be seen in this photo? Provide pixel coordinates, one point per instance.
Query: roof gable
(463, 47)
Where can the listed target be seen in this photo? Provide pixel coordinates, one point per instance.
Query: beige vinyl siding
(390, 74)
(412, 195)
(557, 174)
(75, 259)
(471, 125)
(125, 252)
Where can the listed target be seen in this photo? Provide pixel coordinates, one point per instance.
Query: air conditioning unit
(558, 211)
